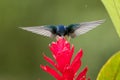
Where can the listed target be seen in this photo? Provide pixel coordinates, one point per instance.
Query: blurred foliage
(111, 69)
(113, 8)
(21, 51)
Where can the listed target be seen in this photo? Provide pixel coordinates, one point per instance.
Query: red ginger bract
(65, 69)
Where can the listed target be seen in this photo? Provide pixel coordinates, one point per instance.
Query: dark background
(21, 51)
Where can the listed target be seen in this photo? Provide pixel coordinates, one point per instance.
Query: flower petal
(77, 62)
(68, 73)
(82, 75)
(53, 50)
(49, 60)
(51, 71)
(71, 52)
(63, 59)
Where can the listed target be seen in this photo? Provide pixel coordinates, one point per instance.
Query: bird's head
(61, 30)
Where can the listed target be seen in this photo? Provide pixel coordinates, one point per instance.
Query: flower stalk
(63, 68)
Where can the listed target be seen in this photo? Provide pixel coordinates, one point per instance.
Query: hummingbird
(72, 30)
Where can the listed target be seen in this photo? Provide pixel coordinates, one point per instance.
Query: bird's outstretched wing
(78, 29)
(48, 31)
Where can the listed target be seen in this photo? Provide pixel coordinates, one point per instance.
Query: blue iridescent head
(61, 30)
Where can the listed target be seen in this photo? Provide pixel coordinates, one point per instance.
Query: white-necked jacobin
(71, 30)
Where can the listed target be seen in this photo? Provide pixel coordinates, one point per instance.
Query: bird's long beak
(65, 37)
(57, 37)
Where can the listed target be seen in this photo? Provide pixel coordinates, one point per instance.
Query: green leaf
(113, 8)
(111, 69)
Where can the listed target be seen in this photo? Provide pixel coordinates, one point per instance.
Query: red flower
(64, 68)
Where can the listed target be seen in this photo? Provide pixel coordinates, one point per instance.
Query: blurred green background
(21, 51)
